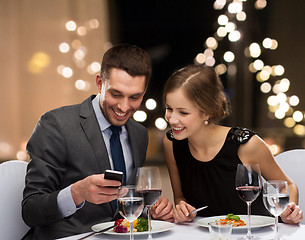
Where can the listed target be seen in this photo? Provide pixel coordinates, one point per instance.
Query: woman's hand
(163, 210)
(182, 212)
(292, 214)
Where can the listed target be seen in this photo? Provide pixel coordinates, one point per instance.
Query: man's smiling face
(121, 95)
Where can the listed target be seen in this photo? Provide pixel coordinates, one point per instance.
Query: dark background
(171, 31)
(174, 32)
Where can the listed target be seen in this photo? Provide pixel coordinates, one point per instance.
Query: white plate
(157, 227)
(256, 221)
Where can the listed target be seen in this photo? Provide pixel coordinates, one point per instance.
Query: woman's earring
(206, 122)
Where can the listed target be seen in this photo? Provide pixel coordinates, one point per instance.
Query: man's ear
(98, 81)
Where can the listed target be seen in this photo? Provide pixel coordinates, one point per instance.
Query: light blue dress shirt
(64, 199)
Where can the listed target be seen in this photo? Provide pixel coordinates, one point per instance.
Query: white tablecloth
(191, 231)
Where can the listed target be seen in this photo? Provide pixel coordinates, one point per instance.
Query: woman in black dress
(202, 156)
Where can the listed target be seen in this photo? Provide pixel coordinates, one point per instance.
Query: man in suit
(65, 191)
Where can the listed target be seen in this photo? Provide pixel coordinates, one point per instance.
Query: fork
(198, 209)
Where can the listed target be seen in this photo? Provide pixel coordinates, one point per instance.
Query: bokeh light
(235, 7)
(81, 31)
(211, 43)
(140, 116)
(151, 104)
(221, 32)
(260, 4)
(241, 16)
(279, 114)
(222, 20)
(234, 36)
(265, 87)
(95, 67)
(71, 26)
(297, 116)
(210, 61)
(94, 23)
(64, 47)
(229, 56)
(38, 62)
(294, 100)
(221, 69)
(255, 50)
(274, 44)
(230, 27)
(299, 130)
(161, 124)
(82, 85)
(258, 64)
(21, 155)
(289, 122)
(267, 43)
(219, 4)
(279, 70)
(272, 100)
(200, 58)
(67, 72)
(284, 85)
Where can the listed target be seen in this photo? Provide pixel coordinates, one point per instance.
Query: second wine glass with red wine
(248, 185)
(149, 184)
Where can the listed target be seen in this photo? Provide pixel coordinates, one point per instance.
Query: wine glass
(248, 185)
(149, 184)
(276, 199)
(130, 205)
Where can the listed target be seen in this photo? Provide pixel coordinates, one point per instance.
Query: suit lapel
(91, 128)
(93, 132)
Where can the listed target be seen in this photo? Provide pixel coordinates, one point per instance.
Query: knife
(98, 232)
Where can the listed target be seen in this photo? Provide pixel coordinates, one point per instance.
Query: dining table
(193, 230)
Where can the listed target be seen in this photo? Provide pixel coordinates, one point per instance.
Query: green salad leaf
(142, 225)
(232, 216)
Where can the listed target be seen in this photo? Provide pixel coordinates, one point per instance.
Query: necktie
(116, 151)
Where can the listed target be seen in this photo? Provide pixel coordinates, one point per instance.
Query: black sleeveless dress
(212, 183)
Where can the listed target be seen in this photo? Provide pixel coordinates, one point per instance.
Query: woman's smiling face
(182, 114)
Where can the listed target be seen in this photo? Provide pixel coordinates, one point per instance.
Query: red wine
(248, 193)
(151, 196)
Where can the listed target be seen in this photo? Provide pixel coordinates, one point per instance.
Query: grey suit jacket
(67, 146)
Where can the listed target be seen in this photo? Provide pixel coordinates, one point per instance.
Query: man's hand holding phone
(97, 188)
(114, 175)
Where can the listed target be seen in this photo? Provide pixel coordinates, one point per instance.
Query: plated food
(257, 221)
(157, 227)
(123, 226)
(234, 219)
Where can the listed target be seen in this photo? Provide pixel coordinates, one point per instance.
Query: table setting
(133, 199)
(195, 230)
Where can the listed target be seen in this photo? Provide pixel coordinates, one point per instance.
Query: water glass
(130, 204)
(276, 199)
(220, 231)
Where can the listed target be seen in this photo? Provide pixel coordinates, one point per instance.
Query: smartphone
(114, 175)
